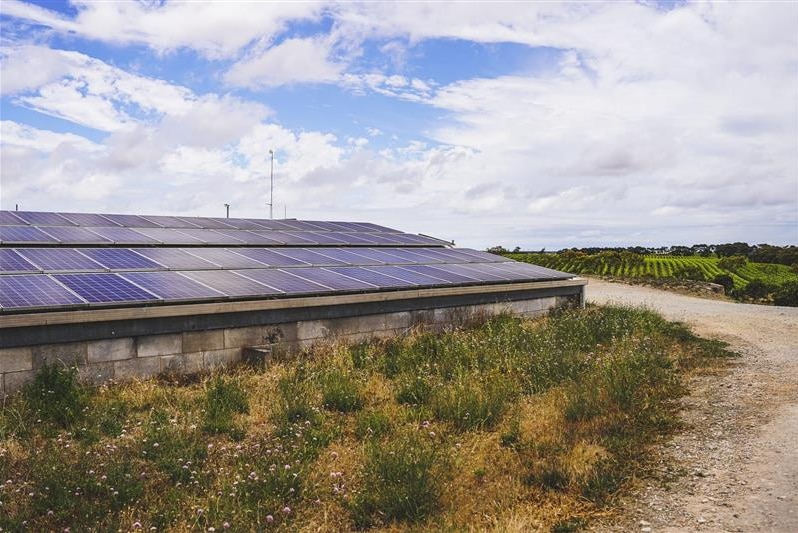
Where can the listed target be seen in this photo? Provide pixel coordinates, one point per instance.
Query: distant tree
(736, 248)
(516, 249)
(733, 263)
(498, 250)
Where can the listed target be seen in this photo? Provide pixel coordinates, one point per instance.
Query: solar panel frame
(231, 284)
(123, 236)
(35, 291)
(284, 280)
(105, 288)
(172, 286)
(12, 262)
(60, 260)
(120, 259)
(43, 218)
(25, 235)
(74, 235)
(8, 218)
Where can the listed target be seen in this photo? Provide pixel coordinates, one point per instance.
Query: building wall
(143, 356)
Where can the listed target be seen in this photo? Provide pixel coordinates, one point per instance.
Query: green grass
(664, 267)
(507, 419)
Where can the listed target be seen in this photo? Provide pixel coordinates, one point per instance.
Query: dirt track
(736, 466)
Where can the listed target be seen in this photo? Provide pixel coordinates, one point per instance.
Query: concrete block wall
(144, 356)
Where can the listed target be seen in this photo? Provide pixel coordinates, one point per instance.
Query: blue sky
(533, 125)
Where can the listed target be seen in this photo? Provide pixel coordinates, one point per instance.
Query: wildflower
(211, 528)
(287, 510)
(287, 467)
(432, 434)
(136, 525)
(226, 525)
(269, 518)
(425, 424)
(334, 455)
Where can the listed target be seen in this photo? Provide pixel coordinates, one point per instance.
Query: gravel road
(735, 468)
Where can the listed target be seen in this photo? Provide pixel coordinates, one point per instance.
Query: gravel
(735, 466)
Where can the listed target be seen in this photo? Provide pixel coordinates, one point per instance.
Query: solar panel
(34, 290)
(473, 271)
(310, 257)
(290, 238)
(169, 285)
(7, 218)
(381, 238)
(283, 280)
(249, 237)
(269, 257)
(407, 275)
(24, 235)
(411, 255)
(324, 238)
(43, 219)
(532, 271)
(492, 268)
(169, 235)
(132, 221)
(171, 222)
(75, 235)
(120, 259)
(226, 259)
(359, 239)
(175, 258)
(448, 255)
(327, 226)
(291, 225)
(88, 220)
(209, 223)
(276, 225)
(482, 257)
(347, 256)
(241, 223)
(124, 236)
(383, 256)
(104, 288)
(209, 236)
(368, 226)
(331, 279)
(11, 261)
(374, 278)
(60, 259)
(435, 272)
(230, 283)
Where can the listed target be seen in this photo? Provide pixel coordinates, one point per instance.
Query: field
(501, 423)
(662, 267)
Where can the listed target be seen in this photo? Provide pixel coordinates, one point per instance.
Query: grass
(503, 423)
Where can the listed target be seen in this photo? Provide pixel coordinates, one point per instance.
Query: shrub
(690, 273)
(726, 281)
(404, 478)
(787, 294)
(56, 396)
(341, 392)
(757, 289)
(223, 400)
(732, 263)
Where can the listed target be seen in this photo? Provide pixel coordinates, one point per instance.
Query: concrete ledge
(16, 359)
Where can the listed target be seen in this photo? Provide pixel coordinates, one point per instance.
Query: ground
(735, 467)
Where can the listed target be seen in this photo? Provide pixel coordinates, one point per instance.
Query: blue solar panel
(249, 237)
(225, 258)
(171, 222)
(104, 288)
(435, 272)
(374, 278)
(382, 256)
(210, 236)
(269, 257)
(473, 271)
(448, 255)
(120, 259)
(24, 234)
(175, 258)
(325, 237)
(310, 257)
(292, 225)
(241, 223)
(43, 219)
(368, 226)
(11, 261)
(34, 290)
(60, 259)
(89, 220)
(331, 279)
(208, 223)
(169, 285)
(358, 239)
(7, 218)
(350, 257)
(411, 255)
(230, 283)
(132, 221)
(532, 271)
(284, 281)
(407, 275)
(276, 225)
(124, 236)
(482, 257)
(382, 238)
(169, 235)
(291, 238)
(75, 235)
(430, 253)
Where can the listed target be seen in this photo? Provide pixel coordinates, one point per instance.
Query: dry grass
(568, 407)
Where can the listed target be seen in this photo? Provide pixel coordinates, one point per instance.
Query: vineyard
(657, 266)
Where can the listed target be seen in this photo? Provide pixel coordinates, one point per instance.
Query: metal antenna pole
(271, 193)
(227, 206)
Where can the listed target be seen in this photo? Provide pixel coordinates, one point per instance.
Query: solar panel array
(81, 229)
(180, 259)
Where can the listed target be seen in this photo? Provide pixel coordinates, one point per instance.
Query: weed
(56, 396)
(373, 424)
(473, 402)
(341, 392)
(223, 400)
(414, 389)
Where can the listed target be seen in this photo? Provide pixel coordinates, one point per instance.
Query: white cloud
(291, 61)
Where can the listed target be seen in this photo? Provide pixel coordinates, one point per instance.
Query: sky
(539, 125)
